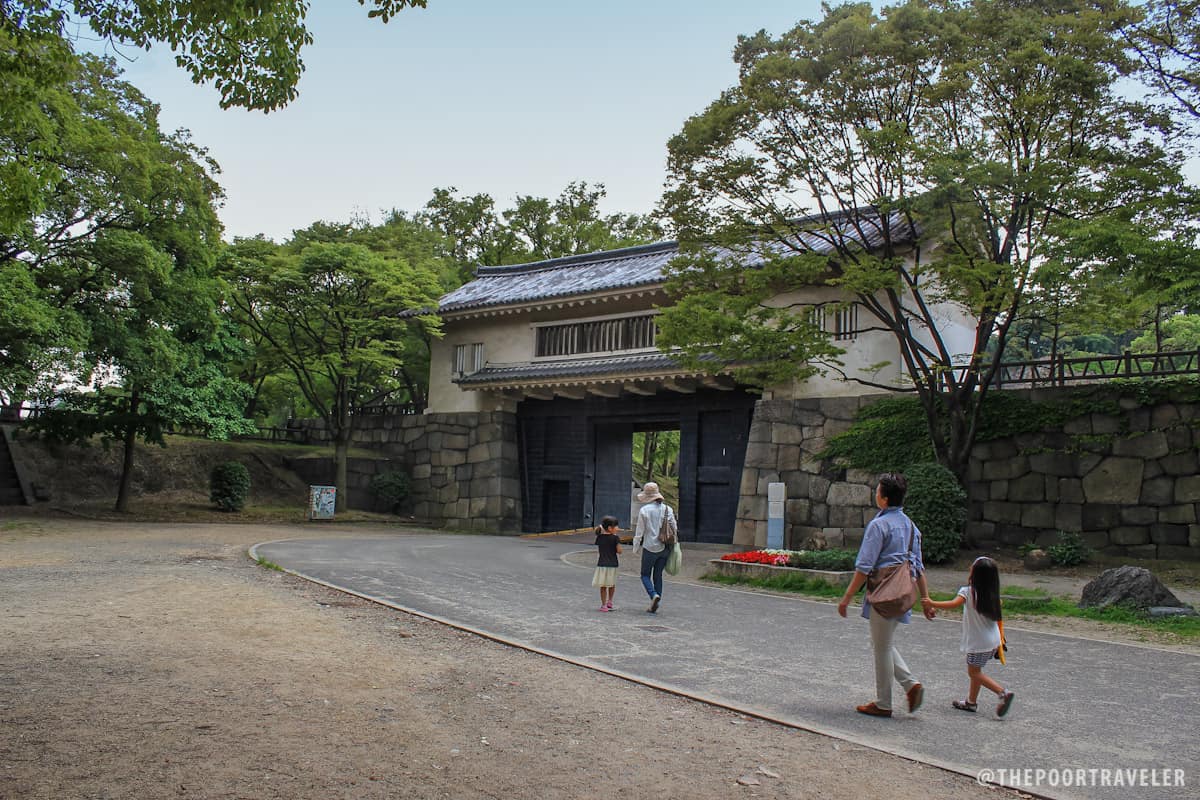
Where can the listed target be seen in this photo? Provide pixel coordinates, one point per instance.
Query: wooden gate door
(612, 472)
(720, 452)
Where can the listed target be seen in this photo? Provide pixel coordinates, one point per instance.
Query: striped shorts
(979, 659)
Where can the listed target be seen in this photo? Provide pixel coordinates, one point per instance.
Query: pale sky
(505, 97)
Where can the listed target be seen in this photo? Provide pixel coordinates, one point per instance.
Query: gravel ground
(157, 661)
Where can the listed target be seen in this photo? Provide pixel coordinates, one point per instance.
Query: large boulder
(1133, 586)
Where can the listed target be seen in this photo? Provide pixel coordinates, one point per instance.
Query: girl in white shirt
(980, 601)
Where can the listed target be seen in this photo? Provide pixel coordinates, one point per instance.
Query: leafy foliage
(229, 485)
(250, 50)
(336, 314)
(866, 125)
(887, 436)
(534, 229)
(938, 506)
(391, 487)
(1069, 550)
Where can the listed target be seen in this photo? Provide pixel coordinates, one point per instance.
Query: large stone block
(978, 531)
(1163, 533)
(1027, 489)
(1152, 444)
(1037, 515)
(798, 511)
(1096, 540)
(1139, 515)
(1060, 464)
(849, 494)
(996, 490)
(784, 433)
(1184, 513)
(1005, 468)
(1114, 480)
(1129, 535)
(852, 538)
(845, 516)
(1013, 535)
(1187, 489)
(1157, 492)
(1177, 553)
(422, 471)
(789, 457)
(1100, 516)
(1002, 512)
(762, 455)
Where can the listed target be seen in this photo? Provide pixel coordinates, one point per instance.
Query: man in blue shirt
(886, 543)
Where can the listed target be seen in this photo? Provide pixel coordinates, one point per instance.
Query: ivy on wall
(892, 434)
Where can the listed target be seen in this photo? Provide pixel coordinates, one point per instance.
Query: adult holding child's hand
(891, 544)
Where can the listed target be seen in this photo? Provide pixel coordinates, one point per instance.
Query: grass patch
(1023, 601)
(262, 562)
(1023, 591)
(784, 582)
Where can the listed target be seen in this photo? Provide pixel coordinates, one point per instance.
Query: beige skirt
(604, 576)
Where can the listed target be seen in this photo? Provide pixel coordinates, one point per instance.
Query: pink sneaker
(604, 608)
(609, 606)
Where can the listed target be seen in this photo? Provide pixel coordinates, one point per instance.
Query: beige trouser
(888, 663)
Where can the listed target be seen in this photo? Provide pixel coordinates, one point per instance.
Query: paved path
(1081, 704)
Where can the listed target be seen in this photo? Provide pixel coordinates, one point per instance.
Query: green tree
(534, 229)
(249, 50)
(117, 172)
(337, 315)
(1166, 39)
(983, 124)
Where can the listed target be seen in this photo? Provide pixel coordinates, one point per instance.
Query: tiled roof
(630, 267)
(591, 368)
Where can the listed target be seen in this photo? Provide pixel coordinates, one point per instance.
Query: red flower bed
(758, 557)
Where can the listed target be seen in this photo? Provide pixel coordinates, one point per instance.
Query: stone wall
(1126, 482)
(463, 468)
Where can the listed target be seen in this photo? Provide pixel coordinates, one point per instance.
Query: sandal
(965, 705)
(1006, 699)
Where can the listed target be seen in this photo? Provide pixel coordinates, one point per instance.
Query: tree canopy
(990, 126)
(533, 229)
(249, 50)
(336, 314)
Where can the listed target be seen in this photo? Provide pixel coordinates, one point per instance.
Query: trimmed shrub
(390, 488)
(229, 485)
(938, 506)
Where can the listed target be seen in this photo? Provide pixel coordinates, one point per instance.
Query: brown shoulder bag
(892, 591)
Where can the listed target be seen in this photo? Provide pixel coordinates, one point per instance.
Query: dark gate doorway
(577, 459)
(613, 471)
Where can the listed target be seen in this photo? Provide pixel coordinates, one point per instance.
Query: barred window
(468, 358)
(845, 322)
(598, 336)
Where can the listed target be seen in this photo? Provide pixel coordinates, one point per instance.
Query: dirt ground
(157, 661)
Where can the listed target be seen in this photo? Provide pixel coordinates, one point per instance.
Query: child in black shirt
(605, 575)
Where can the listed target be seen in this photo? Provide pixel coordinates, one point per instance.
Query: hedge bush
(229, 485)
(938, 506)
(391, 488)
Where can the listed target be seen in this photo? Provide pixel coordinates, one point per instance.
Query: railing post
(1128, 364)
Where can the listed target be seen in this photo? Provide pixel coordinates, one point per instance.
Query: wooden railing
(1061, 371)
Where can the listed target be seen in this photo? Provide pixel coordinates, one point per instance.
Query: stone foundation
(1127, 482)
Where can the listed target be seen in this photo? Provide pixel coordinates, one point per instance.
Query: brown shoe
(916, 695)
(872, 710)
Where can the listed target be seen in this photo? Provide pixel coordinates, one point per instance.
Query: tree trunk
(341, 448)
(130, 440)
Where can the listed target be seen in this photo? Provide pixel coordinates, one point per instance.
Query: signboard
(321, 502)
